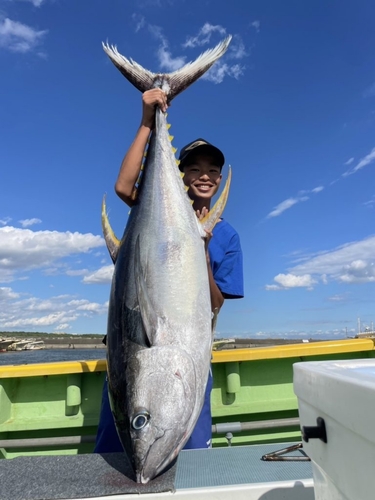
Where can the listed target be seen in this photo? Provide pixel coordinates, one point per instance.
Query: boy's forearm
(131, 165)
(217, 299)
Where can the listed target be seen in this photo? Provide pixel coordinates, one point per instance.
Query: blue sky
(291, 104)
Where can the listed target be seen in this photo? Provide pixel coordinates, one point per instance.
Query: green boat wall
(56, 405)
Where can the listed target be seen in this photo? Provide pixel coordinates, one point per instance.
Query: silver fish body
(159, 335)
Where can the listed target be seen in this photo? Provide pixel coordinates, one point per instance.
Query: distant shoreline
(74, 346)
(95, 341)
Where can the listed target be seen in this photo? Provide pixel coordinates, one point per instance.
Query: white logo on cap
(195, 144)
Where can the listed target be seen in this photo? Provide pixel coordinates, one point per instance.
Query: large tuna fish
(159, 334)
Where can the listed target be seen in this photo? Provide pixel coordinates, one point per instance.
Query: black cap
(200, 146)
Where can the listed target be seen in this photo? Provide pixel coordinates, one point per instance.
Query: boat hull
(57, 405)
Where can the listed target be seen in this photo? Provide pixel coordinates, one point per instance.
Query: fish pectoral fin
(148, 314)
(209, 221)
(112, 242)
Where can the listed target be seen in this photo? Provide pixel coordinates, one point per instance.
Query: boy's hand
(202, 214)
(151, 99)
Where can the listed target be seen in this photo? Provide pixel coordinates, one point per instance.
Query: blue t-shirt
(226, 260)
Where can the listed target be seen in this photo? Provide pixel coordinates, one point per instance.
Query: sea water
(50, 356)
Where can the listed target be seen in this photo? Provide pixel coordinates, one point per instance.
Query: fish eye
(140, 420)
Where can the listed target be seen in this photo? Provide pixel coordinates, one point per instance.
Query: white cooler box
(341, 395)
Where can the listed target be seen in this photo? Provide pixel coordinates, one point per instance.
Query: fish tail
(171, 83)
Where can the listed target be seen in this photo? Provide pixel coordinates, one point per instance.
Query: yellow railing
(251, 354)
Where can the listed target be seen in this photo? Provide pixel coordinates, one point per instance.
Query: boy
(201, 163)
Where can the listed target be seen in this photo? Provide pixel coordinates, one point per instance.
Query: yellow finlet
(168, 126)
(182, 175)
(134, 194)
(174, 150)
(171, 137)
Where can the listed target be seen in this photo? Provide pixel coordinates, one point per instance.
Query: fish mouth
(145, 473)
(142, 479)
(163, 467)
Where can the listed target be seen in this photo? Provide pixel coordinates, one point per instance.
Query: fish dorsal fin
(148, 314)
(209, 221)
(112, 242)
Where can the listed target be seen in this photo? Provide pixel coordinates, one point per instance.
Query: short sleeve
(227, 262)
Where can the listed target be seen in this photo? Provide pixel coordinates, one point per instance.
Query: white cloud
(166, 60)
(77, 272)
(350, 263)
(281, 207)
(337, 298)
(204, 35)
(5, 221)
(62, 327)
(256, 25)
(286, 281)
(18, 37)
(7, 293)
(85, 305)
(55, 312)
(358, 271)
(237, 48)
(220, 70)
(24, 249)
(349, 161)
(362, 163)
(101, 276)
(36, 3)
(370, 203)
(273, 287)
(29, 222)
(289, 202)
(139, 21)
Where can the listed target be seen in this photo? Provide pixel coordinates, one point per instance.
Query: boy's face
(202, 176)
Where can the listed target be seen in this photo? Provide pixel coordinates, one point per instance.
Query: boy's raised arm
(131, 164)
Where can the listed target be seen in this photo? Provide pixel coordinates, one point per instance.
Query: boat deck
(221, 473)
